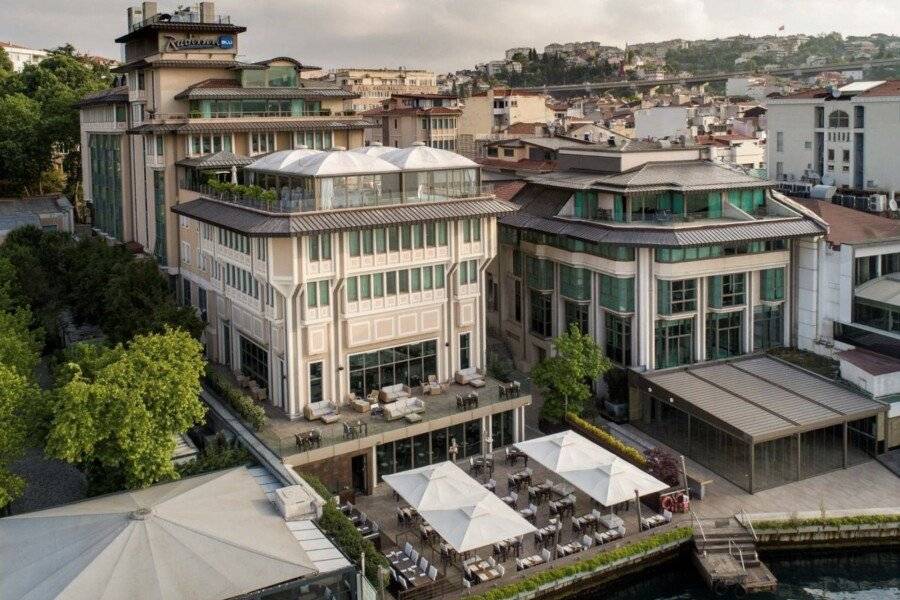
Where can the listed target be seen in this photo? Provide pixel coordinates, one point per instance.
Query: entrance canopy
(461, 510)
(596, 471)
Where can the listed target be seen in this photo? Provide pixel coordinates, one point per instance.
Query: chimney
(207, 12)
(149, 10)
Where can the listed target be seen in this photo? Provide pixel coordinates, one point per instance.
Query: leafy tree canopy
(116, 410)
(565, 377)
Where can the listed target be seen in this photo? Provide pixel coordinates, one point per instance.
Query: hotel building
(188, 101)
(678, 267)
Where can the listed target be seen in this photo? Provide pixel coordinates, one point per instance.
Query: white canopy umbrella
(596, 471)
(461, 510)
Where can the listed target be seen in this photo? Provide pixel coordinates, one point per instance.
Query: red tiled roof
(519, 127)
(434, 110)
(870, 362)
(507, 190)
(888, 88)
(848, 225)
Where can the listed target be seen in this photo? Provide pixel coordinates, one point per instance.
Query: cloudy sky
(446, 35)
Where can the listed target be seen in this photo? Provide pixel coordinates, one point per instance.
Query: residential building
(489, 112)
(51, 213)
(662, 122)
(849, 297)
(373, 86)
(847, 136)
(740, 150)
(363, 275)
(534, 148)
(21, 56)
(680, 268)
(188, 100)
(428, 118)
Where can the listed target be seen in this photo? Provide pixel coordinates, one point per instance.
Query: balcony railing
(180, 16)
(265, 113)
(297, 202)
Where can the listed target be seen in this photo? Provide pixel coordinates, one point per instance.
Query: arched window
(838, 118)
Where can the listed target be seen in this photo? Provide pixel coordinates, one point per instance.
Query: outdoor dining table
(407, 569)
(427, 531)
(540, 492)
(611, 521)
(510, 390)
(483, 571)
(515, 455)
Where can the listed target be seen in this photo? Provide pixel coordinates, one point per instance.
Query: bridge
(710, 77)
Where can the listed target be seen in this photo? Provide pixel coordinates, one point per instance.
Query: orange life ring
(668, 503)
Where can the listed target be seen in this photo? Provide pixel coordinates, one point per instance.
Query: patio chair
(403, 583)
(587, 541)
(408, 549)
(348, 433)
(414, 555)
(545, 554)
(491, 561)
(423, 564)
(393, 574)
(466, 583)
(502, 570)
(530, 512)
(520, 566)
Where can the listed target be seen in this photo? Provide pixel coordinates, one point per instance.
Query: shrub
(663, 466)
(587, 565)
(220, 454)
(241, 403)
(827, 521)
(611, 443)
(340, 529)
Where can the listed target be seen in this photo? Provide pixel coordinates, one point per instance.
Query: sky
(446, 35)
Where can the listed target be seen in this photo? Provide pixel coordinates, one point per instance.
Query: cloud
(446, 35)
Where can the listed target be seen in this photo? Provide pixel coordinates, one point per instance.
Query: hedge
(339, 528)
(828, 521)
(587, 565)
(240, 402)
(611, 443)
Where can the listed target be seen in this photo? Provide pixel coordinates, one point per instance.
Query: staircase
(726, 555)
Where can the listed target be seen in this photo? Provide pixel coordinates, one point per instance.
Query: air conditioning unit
(877, 203)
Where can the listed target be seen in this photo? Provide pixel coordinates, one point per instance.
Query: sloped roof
(419, 157)
(851, 226)
(262, 124)
(883, 290)
(281, 160)
(231, 88)
(339, 162)
(207, 537)
(218, 160)
(110, 95)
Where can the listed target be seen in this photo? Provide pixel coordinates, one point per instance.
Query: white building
(21, 56)
(751, 87)
(850, 136)
(661, 121)
(849, 296)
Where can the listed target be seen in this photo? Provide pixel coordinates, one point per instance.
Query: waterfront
(816, 576)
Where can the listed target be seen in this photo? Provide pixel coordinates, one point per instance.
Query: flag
(781, 28)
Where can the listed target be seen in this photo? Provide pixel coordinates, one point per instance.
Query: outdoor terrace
(441, 411)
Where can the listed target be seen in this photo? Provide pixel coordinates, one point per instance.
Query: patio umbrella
(436, 486)
(206, 537)
(596, 471)
(481, 524)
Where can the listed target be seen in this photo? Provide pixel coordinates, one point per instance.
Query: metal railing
(749, 524)
(180, 16)
(194, 114)
(700, 527)
(732, 544)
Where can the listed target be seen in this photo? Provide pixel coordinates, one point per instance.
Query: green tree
(6, 66)
(22, 156)
(116, 410)
(565, 377)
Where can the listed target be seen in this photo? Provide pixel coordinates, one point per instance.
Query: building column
(700, 325)
(643, 309)
(373, 470)
(515, 416)
(487, 432)
(747, 317)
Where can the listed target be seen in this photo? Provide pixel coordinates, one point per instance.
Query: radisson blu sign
(173, 44)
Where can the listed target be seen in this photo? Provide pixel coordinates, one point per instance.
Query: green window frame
(353, 242)
(415, 280)
(674, 343)
(540, 273)
(676, 296)
(617, 293)
(352, 289)
(391, 282)
(380, 241)
(727, 290)
(575, 283)
(378, 285)
(442, 233)
(724, 334)
(403, 281)
(771, 284)
(618, 338)
(439, 277)
(365, 287)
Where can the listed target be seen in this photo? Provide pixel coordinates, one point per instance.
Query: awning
(461, 510)
(596, 471)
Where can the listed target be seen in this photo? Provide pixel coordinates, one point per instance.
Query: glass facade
(409, 364)
(672, 255)
(768, 327)
(434, 447)
(159, 205)
(254, 361)
(618, 339)
(617, 293)
(724, 334)
(676, 296)
(747, 200)
(771, 283)
(541, 313)
(540, 273)
(577, 314)
(254, 107)
(674, 343)
(511, 236)
(726, 290)
(106, 183)
(880, 316)
(575, 283)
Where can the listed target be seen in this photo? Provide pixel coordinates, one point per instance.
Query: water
(802, 575)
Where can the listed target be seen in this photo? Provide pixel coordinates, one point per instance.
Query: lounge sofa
(317, 410)
(470, 376)
(403, 407)
(392, 393)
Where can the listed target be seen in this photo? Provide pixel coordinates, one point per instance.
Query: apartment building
(681, 269)
(489, 112)
(361, 273)
(847, 136)
(428, 118)
(189, 101)
(21, 55)
(371, 87)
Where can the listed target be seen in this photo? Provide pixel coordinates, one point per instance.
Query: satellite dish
(892, 204)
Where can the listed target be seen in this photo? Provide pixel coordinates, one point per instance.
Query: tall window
(676, 296)
(618, 339)
(159, 205)
(779, 141)
(771, 284)
(315, 382)
(517, 299)
(726, 290)
(838, 118)
(106, 183)
(318, 140)
(262, 143)
(464, 351)
(768, 327)
(320, 247)
(254, 361)
(724, 334)
(575, 283)
(541, 313)
(674, 343)
(317, 293)
(409, 364)
(864, 269)
(577, 314)
(617, 293)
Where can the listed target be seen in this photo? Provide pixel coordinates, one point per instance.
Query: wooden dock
(725, 554)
